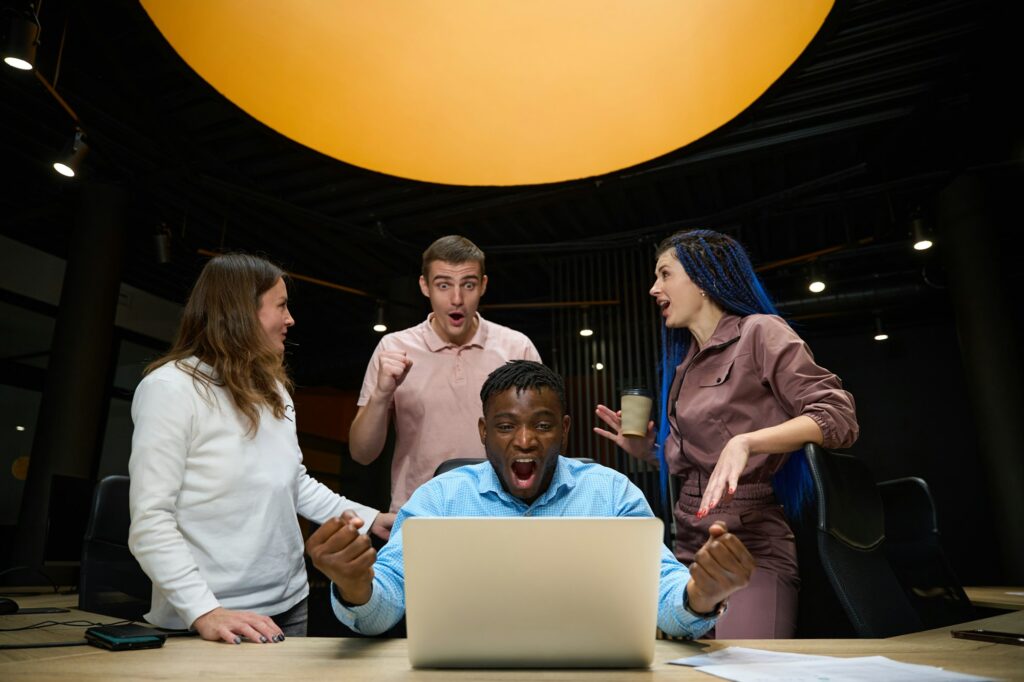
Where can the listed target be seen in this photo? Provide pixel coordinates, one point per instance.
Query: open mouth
(524, 472)
(664, 307)
(457, 318)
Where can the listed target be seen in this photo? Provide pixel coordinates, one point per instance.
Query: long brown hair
(220, 326)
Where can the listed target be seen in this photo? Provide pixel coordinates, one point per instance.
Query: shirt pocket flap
(715, 375)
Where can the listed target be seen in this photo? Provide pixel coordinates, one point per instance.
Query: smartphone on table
(990, 636)
(125, 637)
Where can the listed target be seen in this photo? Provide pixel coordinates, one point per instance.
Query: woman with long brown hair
(216, 471)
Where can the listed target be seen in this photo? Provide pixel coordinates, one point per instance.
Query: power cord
(48, 624)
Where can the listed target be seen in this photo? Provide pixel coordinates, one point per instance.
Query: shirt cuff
(349, 614)
(368, 516)
(695, 625)
(191, 613)
(715, 613)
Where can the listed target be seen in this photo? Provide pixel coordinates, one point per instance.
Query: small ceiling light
(379, 325)
(880, 334)
(815, 283)
(19, 428)
(922, 239)
(162, 242)
(71, 158)
(585, 329)
(598, 366)
(19, 49)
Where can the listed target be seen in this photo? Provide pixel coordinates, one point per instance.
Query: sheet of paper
(742, 655)
(862, 669)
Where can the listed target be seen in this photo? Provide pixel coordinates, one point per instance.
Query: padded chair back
(111, 581)
(915, 552)
(851, 538)
(448, 465)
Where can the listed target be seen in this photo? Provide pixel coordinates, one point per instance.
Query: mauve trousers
(767, 607)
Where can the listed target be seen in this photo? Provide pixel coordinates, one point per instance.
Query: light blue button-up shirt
(577, 489)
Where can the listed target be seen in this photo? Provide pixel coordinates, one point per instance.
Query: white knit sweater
(214, 510)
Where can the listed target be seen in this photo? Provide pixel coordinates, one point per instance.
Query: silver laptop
(540, 592)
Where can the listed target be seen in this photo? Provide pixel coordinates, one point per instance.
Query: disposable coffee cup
(636, 411)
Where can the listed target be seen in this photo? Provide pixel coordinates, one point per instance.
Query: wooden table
(1007, 598)
(354, 660)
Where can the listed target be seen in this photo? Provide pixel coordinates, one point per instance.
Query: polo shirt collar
(435, 343)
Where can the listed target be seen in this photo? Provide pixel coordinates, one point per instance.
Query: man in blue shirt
(524, 428)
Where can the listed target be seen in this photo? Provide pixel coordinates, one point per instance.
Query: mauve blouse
(754, 372)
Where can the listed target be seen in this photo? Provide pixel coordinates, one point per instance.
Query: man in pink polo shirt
(429, 376)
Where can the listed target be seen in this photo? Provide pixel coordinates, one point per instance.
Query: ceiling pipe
(846, 301)
(547, 305)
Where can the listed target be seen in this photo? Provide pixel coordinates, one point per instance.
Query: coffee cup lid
(637, 390)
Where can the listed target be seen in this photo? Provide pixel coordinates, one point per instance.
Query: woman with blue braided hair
(740, 395)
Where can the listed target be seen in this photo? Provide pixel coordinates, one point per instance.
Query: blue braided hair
(719, 265)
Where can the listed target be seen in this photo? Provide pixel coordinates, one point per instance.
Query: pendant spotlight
(162, 242)
(19, 49)
(67, 164)
(585, 329)
(815, 283)
(922, 238)
(880, 333)
(379, 325)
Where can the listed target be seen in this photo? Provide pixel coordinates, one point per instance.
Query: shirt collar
(727, 331)
(562, 479)
(435, 343)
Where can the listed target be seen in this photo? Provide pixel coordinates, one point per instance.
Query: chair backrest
(111, 581)
(914, 549)
(449, 464)
(851, 538)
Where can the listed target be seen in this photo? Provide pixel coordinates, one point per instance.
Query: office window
(132, 359)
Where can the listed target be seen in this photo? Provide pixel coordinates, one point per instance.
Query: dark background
(891, 105)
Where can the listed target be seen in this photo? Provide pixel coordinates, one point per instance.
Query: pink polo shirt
(436, 408)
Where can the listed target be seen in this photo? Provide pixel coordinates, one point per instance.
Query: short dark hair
(522, 375)
(452, 248)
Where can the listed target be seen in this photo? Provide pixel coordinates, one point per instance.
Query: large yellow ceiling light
(491, 92)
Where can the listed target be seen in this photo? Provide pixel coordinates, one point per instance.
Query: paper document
(737, 655)
(861, 669)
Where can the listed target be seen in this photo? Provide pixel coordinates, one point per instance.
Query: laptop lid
(531, 592)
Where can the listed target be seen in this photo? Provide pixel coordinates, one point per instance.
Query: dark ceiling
(890, 102)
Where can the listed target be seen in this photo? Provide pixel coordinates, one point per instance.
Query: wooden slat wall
(626, 339)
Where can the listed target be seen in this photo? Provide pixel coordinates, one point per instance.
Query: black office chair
(111, 581)
(449, 464)
(851, 538)
(916, 555)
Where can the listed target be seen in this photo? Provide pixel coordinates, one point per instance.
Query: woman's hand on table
(235, 626)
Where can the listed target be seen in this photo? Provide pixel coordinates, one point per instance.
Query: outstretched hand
(382, 525)
(725, 476)
(722, 566)
(637, 447)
